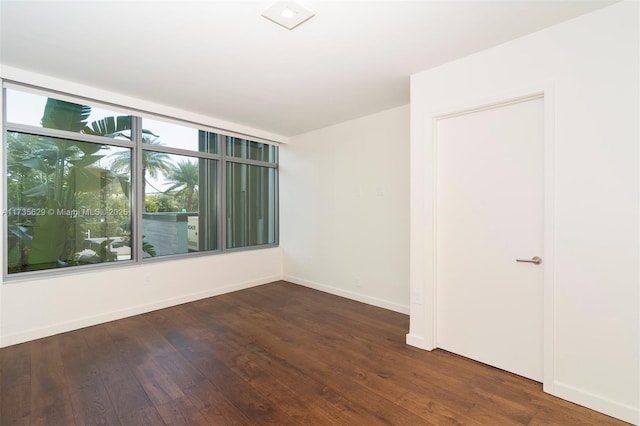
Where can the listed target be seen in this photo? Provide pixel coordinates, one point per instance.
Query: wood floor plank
(110, 363)
(142, 417)
(274, 354)
(181, 411)
(253, 405)
(137, 340)
(50, 400)
(214, 406)
(157, 384)
(320, 362)
(89, 398)
(180, 370)
(318, 396)
(311, 396)
(15, 385)
(79, 366)
(334, 349)
(92, 406)
(321, 397)
(130, 400)
(490, 411)
(268, 383)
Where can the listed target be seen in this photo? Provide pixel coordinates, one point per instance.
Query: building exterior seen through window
(85, 185)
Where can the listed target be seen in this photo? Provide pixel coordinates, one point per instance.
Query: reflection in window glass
(68, 199)
(249, 150)
(250, 205)
(40, 111)
(66, 205)
(176, 136)
(179, 205)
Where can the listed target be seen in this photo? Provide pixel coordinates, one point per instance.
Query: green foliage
(154, 163)
(48, 179)
(184, 179)
(150, 205)
(163, 202)
(64, 115)
(61, 191)
(148, 248)
(111, 127)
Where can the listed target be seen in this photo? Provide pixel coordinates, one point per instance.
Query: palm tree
(184, 177)
(153, 162)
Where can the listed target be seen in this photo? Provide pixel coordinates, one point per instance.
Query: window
(251, 193)
(86, 185)
(65, 203)
(180, 188)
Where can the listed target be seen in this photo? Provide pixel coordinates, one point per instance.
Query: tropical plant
(184, 179)
(53, 174)
(154, 163)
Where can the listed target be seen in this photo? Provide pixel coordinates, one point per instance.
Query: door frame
(548, 214)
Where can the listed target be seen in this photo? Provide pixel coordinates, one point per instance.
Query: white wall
(13, 74)
(344, 212)
(39, 307)
(591, 64)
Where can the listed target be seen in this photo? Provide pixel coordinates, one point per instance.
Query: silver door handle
(535, 260)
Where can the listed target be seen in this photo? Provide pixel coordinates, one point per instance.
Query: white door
(490, 213)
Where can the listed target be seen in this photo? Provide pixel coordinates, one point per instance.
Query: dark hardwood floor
(275, 354)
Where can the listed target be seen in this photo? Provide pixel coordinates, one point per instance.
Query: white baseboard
(597, 403)
(403, 309)
(63, 327)
(418, 342)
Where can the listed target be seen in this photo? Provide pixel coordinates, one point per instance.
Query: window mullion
(223, 195)
(180, 151)
(64, 134)
(252, 162)
(138, 200)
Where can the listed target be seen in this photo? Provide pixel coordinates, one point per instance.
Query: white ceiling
(223, 59)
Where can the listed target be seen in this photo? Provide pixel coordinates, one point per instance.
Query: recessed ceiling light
(288, 13)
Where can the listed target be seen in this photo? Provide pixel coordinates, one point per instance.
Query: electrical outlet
(417, 298)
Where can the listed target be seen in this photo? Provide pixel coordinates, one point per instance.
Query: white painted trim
(403, 309)
(421, 230)
(598, 403)
(549, 238)
(63, 327)
(418, 342)
(2, 199)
